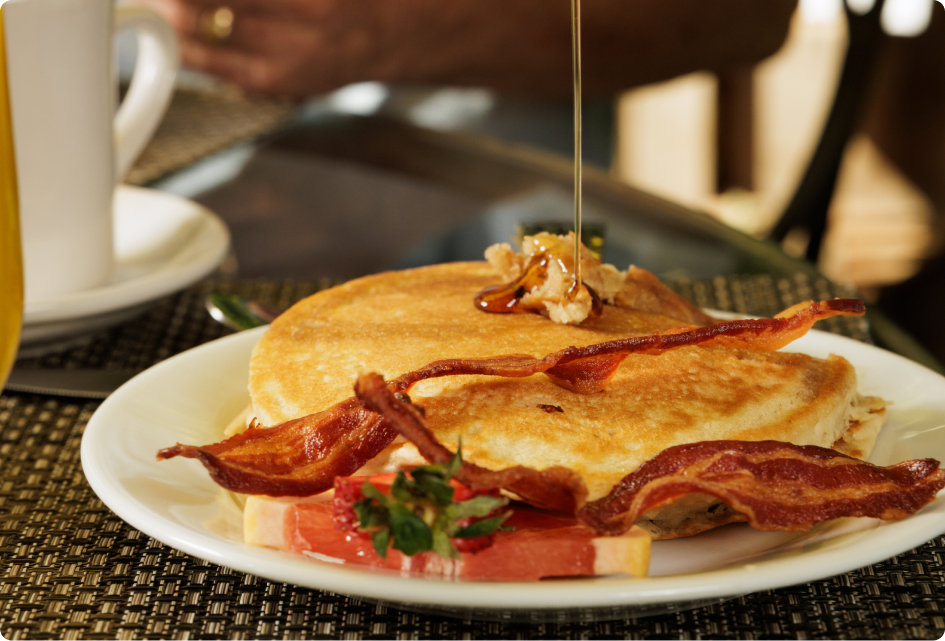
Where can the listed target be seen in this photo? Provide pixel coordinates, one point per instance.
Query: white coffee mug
(71, 146)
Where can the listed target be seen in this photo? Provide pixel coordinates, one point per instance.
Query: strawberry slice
(349, 491)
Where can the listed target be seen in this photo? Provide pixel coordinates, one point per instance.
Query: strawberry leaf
(371, 515)
(405, 490)
(481, 528)
(372, 492)
(381, 539)
(434, 487)
(481, 505)
(411, 534)
(421, 514)
(455, 463)
(443, 546)
(429, 470)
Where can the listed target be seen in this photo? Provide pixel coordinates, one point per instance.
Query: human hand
(285, 47)
(302, 47)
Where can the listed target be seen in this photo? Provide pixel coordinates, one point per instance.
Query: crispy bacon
(587, 369)
(775, 485)
(300, 457)
(304, 455)
(556, 488)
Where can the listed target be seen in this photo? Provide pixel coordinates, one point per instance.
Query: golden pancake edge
(396, 322)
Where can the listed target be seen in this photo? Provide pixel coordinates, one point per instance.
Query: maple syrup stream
(576, 67)
(505, 298)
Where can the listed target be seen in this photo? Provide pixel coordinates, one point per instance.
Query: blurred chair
(807, 209)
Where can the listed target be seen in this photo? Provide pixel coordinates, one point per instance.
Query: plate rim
(885, 540)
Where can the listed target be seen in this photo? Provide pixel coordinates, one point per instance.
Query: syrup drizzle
(578, 173)
(547, 251)
(507, 298)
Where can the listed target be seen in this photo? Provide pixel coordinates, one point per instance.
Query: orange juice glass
(11, 262)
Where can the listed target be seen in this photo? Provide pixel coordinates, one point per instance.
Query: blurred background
(833, 148)
(666, 138)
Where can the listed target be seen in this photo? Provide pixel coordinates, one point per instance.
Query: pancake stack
(396, 322)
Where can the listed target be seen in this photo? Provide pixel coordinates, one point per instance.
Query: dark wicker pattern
(70, 568)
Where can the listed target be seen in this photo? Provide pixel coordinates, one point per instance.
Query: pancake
(396, 322)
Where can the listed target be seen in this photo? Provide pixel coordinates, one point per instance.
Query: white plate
(163, 243)
(189, 398)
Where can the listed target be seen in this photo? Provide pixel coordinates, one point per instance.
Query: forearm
(524, 46)
(303, 47)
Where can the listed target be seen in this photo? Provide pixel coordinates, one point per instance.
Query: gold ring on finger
(216, 26)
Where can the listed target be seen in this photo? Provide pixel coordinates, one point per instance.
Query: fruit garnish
(423, 511)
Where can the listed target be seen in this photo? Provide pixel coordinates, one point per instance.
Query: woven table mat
(72, 569)
(201, 122)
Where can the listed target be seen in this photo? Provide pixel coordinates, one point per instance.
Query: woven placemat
(72, 569)
(201, 122)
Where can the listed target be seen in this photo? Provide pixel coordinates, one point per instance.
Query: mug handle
(152, 83)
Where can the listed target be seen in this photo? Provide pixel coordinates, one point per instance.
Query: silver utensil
(238, 313)
(77, 383)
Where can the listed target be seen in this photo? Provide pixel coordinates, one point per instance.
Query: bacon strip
(556, 488)
(757, 334)
(777, 486)
(302, 456)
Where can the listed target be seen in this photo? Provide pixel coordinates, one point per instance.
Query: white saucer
(163, 243)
